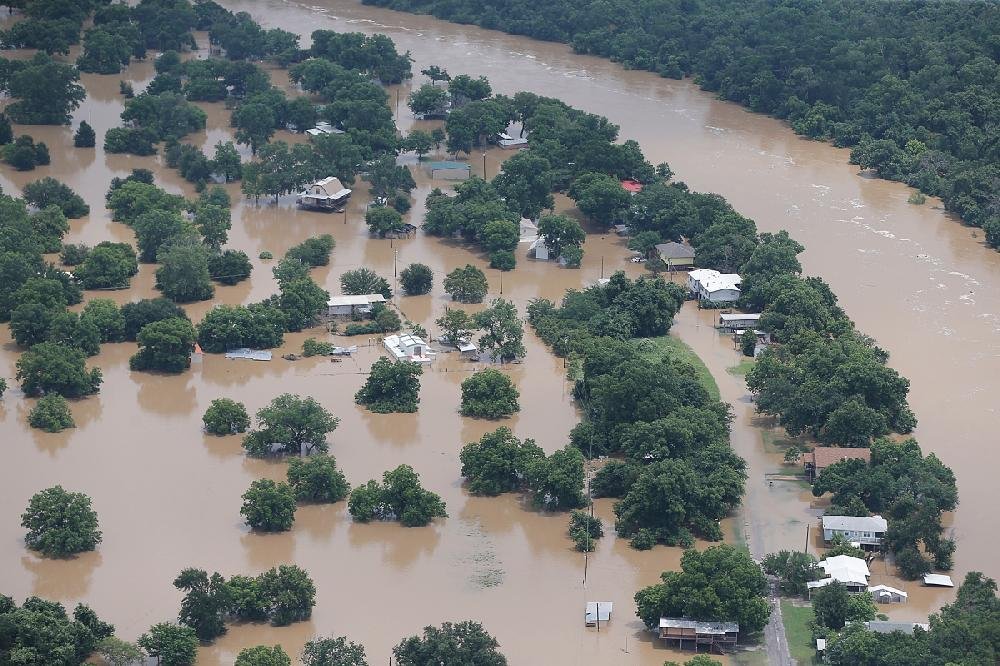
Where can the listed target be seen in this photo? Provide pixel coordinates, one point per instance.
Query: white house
(707, 284)
(866, 531)
(340, 306)
(407, 347)
(852, 572)
(326, 194)
(884, 594)
(323, 128)
(540, 249)
(528, 230)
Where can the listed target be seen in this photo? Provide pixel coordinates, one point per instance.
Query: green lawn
(665, 345)
(742, 367)
(800, 640)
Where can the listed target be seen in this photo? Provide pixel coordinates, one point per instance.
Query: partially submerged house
(508, 142)
(710, 285)
(352, 305)
(883, 594)
(676, 255)
(323, 128)
(821, 457)
(327, 194)
(737, 320)
(528, 230)
(449, 170)
(694, 634)
(408, 347)
(883, 627)
(597, 612)
(865, 531)
(540, 250)
(851, 572)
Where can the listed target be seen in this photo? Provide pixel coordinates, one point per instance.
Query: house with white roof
(883, 594)
(326, 194)
(408, 347)
(352, 304)
(707, 284)
(851, 572)
(866, 531)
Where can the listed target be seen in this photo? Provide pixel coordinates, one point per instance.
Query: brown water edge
(156, 523)
(922, 284)
(168, 496)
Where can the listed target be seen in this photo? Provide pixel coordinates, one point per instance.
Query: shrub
(51, 414)
(24, 154)
(265, 255)
(225, 417)
(313, 251)
(230, 267)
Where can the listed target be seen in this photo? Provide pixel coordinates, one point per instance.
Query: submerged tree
(60, 523)
(392, 386)
(290, 425)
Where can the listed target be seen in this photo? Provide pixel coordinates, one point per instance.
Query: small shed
(448, 170)
(598, 611)
(938, 580)
(884, 594)
(323, 128)
(676, 255)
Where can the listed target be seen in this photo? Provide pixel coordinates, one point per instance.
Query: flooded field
(168, 496)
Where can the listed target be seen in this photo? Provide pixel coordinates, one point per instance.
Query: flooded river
(168, 496)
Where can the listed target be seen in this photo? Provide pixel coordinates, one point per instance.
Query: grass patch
(797, 631)
(666, 345)
(741, 368)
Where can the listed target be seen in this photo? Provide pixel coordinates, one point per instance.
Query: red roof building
(632, 186)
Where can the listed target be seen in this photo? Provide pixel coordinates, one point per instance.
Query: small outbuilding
(676, 255)
(508, 142)
(328, 194)
(540, 250)
(938, 580)
(632, 186)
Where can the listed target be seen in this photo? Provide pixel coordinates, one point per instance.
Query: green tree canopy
(466, 285)
(60, 523)
(452, 643)
(391, 386)
(316, 478)
(165, 345)
(289, 425)
(225, 417)
(269, 506)
(497, 463)
(399, 497)
(489, 394)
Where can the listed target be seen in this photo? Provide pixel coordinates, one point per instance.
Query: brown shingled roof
(824, 456)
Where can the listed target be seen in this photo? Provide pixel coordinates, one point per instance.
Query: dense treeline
(678, 477)
(911, 86)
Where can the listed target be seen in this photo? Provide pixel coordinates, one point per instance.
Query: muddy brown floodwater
(168, 496)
